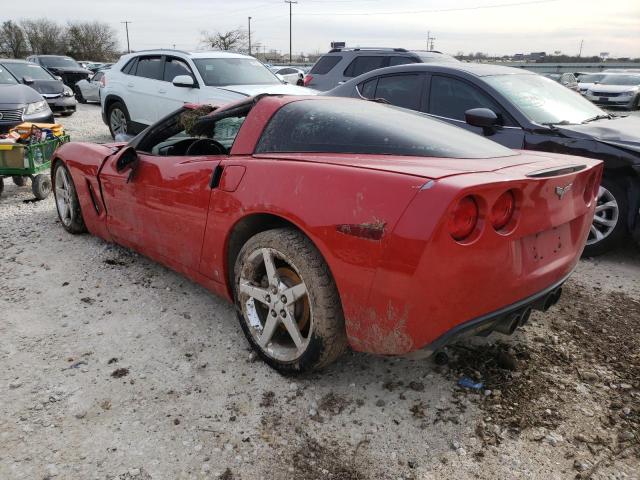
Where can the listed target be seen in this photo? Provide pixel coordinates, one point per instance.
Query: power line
(436, 10)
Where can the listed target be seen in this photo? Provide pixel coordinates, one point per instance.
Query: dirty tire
(41, 186)
(73, 222)
(19, 180)
(326, 338)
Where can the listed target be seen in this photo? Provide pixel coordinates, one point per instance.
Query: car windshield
(621, 80)
(28, 70)
(234, 71)
(591, 78)
(339, 126)
(64, 62)
(6, 78)
(543, 100)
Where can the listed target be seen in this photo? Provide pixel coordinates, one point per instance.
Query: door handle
(130, 84)
(162, 91)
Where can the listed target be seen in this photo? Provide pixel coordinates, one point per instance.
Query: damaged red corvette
(334, 222)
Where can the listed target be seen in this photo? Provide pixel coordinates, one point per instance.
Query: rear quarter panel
(347, 213)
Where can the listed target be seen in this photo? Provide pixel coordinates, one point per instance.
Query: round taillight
(463, 218)
(502, 210)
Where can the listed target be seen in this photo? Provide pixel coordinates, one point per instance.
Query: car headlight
(627, 94)
(37, 107)
(67, 92)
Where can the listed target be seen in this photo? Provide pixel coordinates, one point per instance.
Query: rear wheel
(118, 117)
(67, 202)
(79, 97)
(41, 186)
(288, 303)
(609, 225)
(1, 185)
(19, 180)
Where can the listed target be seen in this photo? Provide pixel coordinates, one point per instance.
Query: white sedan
(288, 74)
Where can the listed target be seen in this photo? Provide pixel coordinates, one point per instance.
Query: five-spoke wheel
(287, 301)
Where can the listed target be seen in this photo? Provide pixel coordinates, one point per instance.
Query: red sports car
(333, 222)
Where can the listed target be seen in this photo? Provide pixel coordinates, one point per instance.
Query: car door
(449, 98)
(162, 210)
(143, 87)
(171, 96)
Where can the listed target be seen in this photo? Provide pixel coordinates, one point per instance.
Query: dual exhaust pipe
(519, 318)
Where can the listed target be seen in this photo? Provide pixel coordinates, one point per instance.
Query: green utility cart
(19, 161)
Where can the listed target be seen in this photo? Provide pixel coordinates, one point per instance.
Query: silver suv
(342, 64)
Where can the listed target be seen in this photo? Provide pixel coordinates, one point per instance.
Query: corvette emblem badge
(560, 191)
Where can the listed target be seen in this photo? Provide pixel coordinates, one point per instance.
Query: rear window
(325, 64)
(130, 67)
(339, 126)
(362, 65)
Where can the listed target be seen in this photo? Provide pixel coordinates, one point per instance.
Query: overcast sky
(491, 26)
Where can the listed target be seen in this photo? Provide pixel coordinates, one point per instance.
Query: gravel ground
(115, 367)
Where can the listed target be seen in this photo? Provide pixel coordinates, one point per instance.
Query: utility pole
(126, 26)
(580, 53)
(290, 2)
(249, 36)
(430, 40)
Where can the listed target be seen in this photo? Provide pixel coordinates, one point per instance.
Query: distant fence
(569, 67)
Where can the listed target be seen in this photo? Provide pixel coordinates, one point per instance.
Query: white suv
(143, 87)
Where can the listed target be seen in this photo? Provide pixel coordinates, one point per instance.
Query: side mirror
(27, 80)
(126, 158)
(185, 81)
(481, 117)
(59, 78)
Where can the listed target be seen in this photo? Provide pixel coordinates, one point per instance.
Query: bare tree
(91, 40)
(12, 40)
(44, 37)
(234, 40)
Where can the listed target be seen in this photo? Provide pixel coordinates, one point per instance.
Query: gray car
(19, 103)
(616, 90)
(343, 64)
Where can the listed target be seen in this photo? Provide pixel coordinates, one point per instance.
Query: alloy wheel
(275, 304)
(118, 122)
(605, 218)
(63, 196)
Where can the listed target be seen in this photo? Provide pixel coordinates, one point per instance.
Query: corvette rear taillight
(307, 80)
(463, 219)
(502, 210)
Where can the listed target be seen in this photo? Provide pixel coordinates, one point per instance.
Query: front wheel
(118, 117)
(288, 303)
(41, 186)
(609, 225)
(67, 202)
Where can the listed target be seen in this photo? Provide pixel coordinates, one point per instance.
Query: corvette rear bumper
(505, 320)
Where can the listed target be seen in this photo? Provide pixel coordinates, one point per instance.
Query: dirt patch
(590, 349)
(312, 460)
(333, 403)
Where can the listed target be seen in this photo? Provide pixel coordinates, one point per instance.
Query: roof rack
(160, 50)
(355, 49)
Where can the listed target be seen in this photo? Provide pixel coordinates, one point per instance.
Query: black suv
(523, 110)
